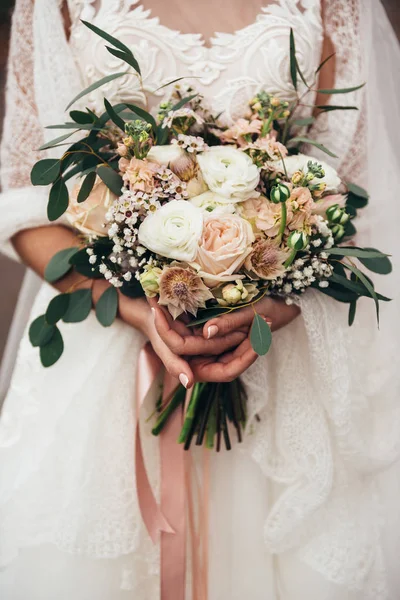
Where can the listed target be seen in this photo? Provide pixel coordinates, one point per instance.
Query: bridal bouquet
(205, 217)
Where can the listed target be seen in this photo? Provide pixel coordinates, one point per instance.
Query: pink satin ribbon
(176, 493)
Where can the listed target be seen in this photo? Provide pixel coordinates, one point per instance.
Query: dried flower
(267, 260)
(182, 290)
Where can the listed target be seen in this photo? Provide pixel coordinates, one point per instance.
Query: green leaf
(330, 107)
(352, 312)
(107, 307)
(184, 101)
(353, 251)
(113, 115)
(106, 36)
(260, 335)
(40, 332)
(51, 352)
(324, 62)
(81, 117)
(304, 122)
(80, 305)
(45, 171)
(111, 178)
(87, 186)
(293, 62)
(170, 83)
(356, 201)
(94, 86)
(71, 126)
(339, 294)
(132, 289)
(58, 200)
(381, 265)
(57, 308)
(143, 114)
(304, 140)
(341, 91)
(53, 143)
(126, 57)
(367, 284)
(59, 265)
(357, 190)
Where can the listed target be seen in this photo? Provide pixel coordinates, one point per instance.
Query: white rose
(211, 202)
(299, 162)
(229, 172)
(173, 231)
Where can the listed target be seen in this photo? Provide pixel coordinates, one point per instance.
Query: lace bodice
(228, 73)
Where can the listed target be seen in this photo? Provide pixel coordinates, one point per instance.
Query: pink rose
(225, 244)
(88, 217)
(264, 215)
(300, 208)
(322, 205)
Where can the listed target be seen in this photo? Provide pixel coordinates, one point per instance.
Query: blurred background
(11, 272)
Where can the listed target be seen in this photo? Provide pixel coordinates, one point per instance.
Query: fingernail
(153, 312)
(268, 321)
(184, 380)
(212, 331)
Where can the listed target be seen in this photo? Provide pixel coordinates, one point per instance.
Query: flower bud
(297, 177)
(231, 294)
(285, 114)
(338, 232)
(275, 101)
(279, 193)
(298, 240)
(149, 280)
(335, 214)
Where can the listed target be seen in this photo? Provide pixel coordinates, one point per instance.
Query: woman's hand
(276, 312)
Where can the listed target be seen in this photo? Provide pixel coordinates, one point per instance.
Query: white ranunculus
(229, 172)
(211, 202)
(299, 162)
(173, 231)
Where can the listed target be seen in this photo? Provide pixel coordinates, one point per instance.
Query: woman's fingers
(175, 365)
(227, 368)
(234, 321)
(185, 342)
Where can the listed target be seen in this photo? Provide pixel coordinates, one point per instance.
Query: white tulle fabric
(307, 507)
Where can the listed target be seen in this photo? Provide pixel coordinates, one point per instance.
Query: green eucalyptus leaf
(106, 36)
(87, 186)
(51, 352)
(367, 284)
(45, 171)
(338, 293)
(356, 201)
(56, 141)
(132, 289)
(81, 117)
(169, 83)
(111, 178)
(126, 57)
(352, 312)
(114, 116)
(381, 265)
(80, 305)
(58, 200)
(260, 335)
(357, 190)
(184, 101)
(107, 307)
(59, 265)
(304, 122)
(57, 308)
(40, 331)
(293, 61)
(93, 87)
(85, 126)
(331, 107)
(324, 62)
(350, 230)
(305, 140)
(143, 114)
(354, 251)
(341, 91)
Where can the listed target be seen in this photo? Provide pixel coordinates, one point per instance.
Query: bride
(307, 506)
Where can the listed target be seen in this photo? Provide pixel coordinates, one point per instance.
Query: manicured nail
(184, 380)
(212, 331)
(268, 321)
(153, 312)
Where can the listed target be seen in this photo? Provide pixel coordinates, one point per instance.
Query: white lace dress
(308, 506)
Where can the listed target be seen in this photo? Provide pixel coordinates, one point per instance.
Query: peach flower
(235, 134)
(88, 217)
(225, 244)
(139, 174)
(262, 214)
(267, 260)
(322, 205)
(301, 205)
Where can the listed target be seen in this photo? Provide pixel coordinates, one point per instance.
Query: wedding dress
(308, 505)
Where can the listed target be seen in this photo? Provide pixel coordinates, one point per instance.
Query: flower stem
(177, 400)
(283, 221)
(290, 259)
(191, 412)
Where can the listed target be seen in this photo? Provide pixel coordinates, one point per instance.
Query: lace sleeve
(344, 131)
(21, 205)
